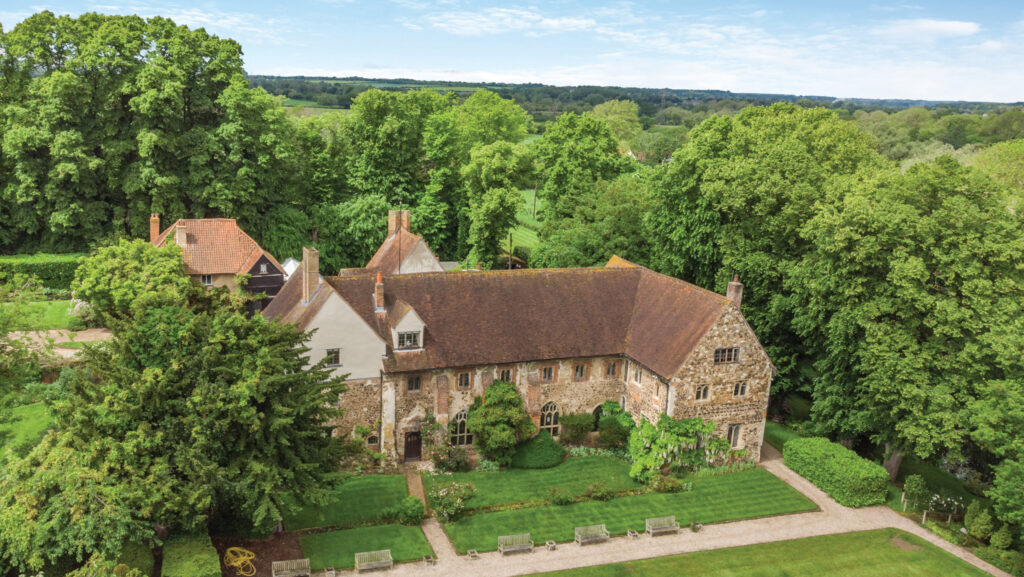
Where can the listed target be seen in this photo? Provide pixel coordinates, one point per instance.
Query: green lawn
(864, 554)
(742, 495)
(518, 485)
(47, 315)
(338, 548)
(28, 423)
(776, 434)
(525, 233)
(358, 499)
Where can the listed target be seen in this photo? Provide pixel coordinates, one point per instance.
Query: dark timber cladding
(477, 318)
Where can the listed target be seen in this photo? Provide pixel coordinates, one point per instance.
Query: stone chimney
(378, 293)
(310, 269)
(735, 291)
(154, 227)
(405, 218)
(180, 238)
(392, 222)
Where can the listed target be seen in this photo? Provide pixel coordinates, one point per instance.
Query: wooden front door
(413, 446)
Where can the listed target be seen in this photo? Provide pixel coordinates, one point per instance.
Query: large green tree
(912, 298)
(350, 232)
(492, 178)
(733, 200)
(189, 409)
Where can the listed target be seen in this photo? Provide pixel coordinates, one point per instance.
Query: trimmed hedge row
(847, 477)
(54, 271)
(190, 556)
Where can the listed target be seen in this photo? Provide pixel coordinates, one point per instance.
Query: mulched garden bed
(279, 547)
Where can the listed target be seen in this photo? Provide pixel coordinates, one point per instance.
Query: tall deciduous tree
(914, 294)
(733, 200)
(492, 180)
(622, 118)
(348, 233)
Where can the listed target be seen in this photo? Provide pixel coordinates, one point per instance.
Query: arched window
(597, 416)
(459, 434)
(549, 419)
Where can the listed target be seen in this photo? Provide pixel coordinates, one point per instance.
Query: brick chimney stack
(310, 269)
(180, 238)
(154, 227)
(378, 293)
(392, 222)
(735, 291)
(404, 216)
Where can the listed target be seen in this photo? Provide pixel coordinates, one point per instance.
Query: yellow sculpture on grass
(241, 560)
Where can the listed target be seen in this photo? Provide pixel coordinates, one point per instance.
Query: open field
(358, 500)
(881, 553)
(519, 485)
(743, 495)
(338, 548)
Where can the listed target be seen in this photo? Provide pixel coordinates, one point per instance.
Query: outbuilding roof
(216, 246)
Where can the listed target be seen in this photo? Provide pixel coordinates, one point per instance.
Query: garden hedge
(848, 478)
(54, 271)
(190, 556)
(540, 452)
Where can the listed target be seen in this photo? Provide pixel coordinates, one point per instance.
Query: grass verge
(28, 424)
(357, 500)
(48, 315)
(338, 548)
(743, 495)
(880, 553)
(520, 485)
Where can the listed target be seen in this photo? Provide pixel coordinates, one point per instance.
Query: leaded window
(727, 355)
(460, 434)
(333, 357)
(549, 419)
(409, 340)
(739, 390)
(734, 435)
(702, 392)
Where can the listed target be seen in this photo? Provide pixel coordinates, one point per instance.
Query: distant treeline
(545, 102)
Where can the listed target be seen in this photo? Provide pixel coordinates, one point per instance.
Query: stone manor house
(414, 339)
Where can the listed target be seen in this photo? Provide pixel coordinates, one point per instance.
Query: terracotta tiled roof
(394, 249)
(216, 246)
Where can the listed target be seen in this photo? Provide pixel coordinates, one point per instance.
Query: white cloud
(926, 30)
(501, 20)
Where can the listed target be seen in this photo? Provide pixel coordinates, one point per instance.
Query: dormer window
(409, 340)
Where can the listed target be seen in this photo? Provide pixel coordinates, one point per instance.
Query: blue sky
(950, 50)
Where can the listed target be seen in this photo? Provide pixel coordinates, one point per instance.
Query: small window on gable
(413, 384)
(579, 372)
(739, 390)
(206, 279)
(547, 374)
(505, 375)
(702, 393)
(409, 340)
(735, 432)
(727, 355)
(263, 268)
(465, 380)
(612, 369)
(333, 357)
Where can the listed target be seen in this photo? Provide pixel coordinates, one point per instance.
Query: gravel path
(832, 518)
(58, 336)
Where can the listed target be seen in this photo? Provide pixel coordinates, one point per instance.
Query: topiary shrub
(1002, 539)
(408, 511)
(978, 521)
(916, 491)
(560, 496)
(540, 452)
(848, 478)
(190, 556)
(575, 427)
(498, 421)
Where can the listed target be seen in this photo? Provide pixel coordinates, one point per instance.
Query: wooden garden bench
(292, 568)
(369, 560)
(512, 543)
(657, 525)
(591, 534)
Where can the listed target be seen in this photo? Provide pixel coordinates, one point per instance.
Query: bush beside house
(848, 478)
